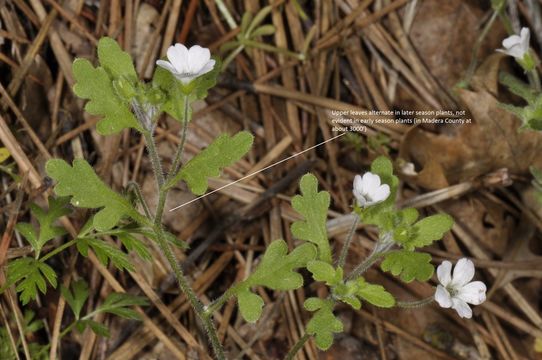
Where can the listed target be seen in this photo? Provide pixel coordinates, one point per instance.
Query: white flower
(517, 45)
(187, 64)
(457, 290)
(368, 189)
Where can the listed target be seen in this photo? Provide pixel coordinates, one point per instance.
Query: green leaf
(105, 253)
(114, 60)
(263, 30)
(224, 151)
(89, 191)
(313, 206)
(94, 84)
(31, 275)
(409, 265)
(119, 303)
(77, 299)
(346, 292)
(323, 323)
(275, 271)
(133, 244)
(323, 271)
(429, 229)
(250, 305)
(374, 294)
(31, 324)
(46, 220)
(98, 329)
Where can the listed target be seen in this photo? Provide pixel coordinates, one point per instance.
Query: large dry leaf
(491, 142)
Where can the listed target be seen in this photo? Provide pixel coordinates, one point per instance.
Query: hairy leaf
(313, 206)
(105, 253)
(323, 323)
(374, 294)
(89, 191)
(96, 84)
(250, 305)
(429, 229)
(31, 275)
(222, 152)
(323, 271)
(77, 298)
(276, 271)
(409, 265)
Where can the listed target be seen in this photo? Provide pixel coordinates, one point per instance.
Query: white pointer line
(256, 172)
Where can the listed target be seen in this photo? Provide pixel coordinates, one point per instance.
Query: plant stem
(535, 80)
(176, 164)
(346, 245)
(218, 303)
(297, 346)
(168, 252)
(139, 195)
(58, 249)
(155, 160)
(191, 295)
(415, 304)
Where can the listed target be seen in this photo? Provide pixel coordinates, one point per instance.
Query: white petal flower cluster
(368, 190)
(457, 291)
(517, 45)
(187, 64)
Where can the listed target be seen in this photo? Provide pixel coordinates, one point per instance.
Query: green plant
(124, 102)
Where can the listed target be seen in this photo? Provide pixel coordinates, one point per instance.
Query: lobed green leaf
(222, 152)
(374, 294)
(89, 191)
(313, 206)
(429, 229)
(323, 324)
(105, 253)
(276, 271)
(77, 298)
(409, 265)
(31, 275)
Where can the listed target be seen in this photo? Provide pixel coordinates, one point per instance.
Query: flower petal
(525, 35)
(358, 183)
(462, 308)
(381, 193)
(511, 41)
(178, 56)
(463, 273)
(442, 297)
(198, 57)
(370, 182)
(166, 65)
(208, 67)
(444, 273)
(473, 293)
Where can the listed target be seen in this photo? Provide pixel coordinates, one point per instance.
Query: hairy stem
(139, 195)
(168, 252)
(415, 304)
(176, 164)
(346, 245)
(297, 346)
(218, 303)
